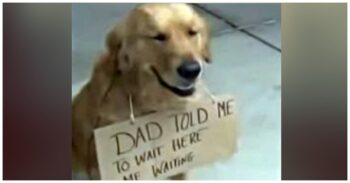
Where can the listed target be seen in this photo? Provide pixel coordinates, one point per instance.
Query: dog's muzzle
(182, 91)
(189, 70)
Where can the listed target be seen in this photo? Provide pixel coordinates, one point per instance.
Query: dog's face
(169, 42)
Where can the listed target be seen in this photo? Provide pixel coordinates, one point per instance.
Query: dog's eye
(192, 32)
(160, 37)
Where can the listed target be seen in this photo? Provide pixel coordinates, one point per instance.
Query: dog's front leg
(180, 176)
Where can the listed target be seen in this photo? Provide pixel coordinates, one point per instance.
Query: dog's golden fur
(124, 71)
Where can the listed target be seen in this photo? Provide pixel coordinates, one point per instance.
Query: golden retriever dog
(153, 62)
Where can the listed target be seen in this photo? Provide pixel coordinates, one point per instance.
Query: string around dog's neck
(131, 108)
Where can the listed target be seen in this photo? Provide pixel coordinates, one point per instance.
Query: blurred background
(246, 49)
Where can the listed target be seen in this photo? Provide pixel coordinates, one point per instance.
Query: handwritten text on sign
(164, 144)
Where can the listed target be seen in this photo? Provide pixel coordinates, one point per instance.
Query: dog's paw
(180, 176)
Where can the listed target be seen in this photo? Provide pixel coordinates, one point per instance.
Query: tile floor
(242, 66)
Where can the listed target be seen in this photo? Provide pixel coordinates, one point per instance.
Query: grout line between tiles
(234, 26)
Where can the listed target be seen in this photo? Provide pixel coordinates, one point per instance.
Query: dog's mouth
(182, 91)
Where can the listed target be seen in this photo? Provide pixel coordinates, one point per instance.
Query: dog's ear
(114, 38)
(206, 42)
(206, 52)
(107, 66)
(115, 42)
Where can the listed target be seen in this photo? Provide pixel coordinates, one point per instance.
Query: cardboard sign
(160, 145)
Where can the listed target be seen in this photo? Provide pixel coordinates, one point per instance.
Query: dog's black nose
(189, 70)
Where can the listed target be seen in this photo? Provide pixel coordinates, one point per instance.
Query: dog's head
(166, 43)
